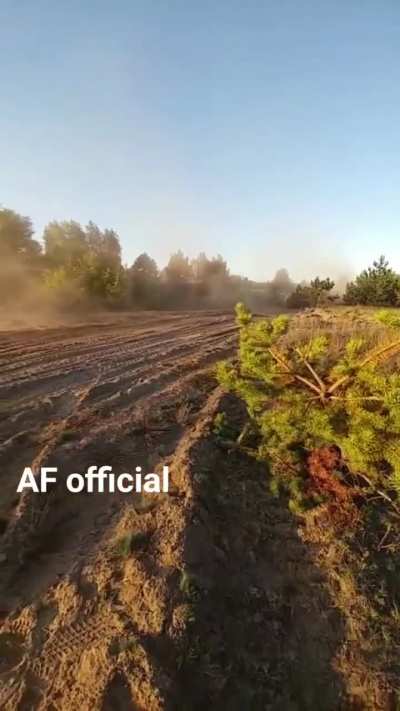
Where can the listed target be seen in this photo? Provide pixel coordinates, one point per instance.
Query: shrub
(388, 318)
(302, 398)
(312, 294)
(377, 285)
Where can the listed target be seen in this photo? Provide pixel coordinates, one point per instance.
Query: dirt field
(208, 597)
(120, 392)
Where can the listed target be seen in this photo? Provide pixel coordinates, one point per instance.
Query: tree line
(74, 266)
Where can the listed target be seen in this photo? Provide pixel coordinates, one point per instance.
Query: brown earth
(208, 597)
(123, 392)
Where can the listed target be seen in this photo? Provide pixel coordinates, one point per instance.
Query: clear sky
(267, 130)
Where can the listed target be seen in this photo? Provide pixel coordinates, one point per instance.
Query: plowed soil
(121, 392)
(203, 598)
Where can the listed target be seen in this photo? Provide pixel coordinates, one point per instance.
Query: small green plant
(388, 318)
(301, 398)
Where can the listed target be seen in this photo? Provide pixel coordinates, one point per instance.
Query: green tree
(205, 269)
(302, 397)
(84, 262)
(312, 294)
(16, 237)
(103, 243)
(103, 281)
(65, 244)
(178, 269)
(320, 288)
(377, 285)
(143, 279)
(20, 258)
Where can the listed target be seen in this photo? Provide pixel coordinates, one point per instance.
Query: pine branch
(279, 358)
(375, 354)
(311, 369)
(360, 398)
(381, 493)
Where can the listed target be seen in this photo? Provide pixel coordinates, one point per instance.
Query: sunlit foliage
(302, 398)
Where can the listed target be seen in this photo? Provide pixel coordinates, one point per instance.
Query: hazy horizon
(265, 132)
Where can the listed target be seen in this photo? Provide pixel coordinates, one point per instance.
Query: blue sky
(267, 131)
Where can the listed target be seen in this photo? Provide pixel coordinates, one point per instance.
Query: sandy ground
(207, 597)
(121, 391)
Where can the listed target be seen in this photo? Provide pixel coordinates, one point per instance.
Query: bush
(304, 399)
(377, 285)
(301, 298)
(310, 295)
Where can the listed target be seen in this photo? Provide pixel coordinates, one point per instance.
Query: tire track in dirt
(86, 410)
(127, 398)
(67, 524)
(61, 349)
(218, 605)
